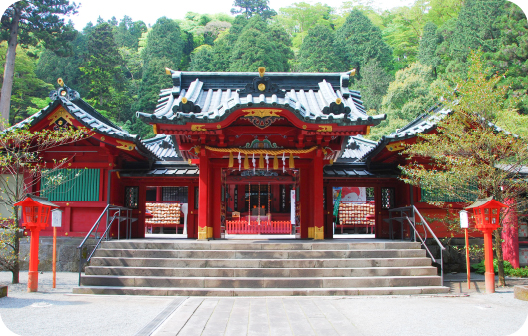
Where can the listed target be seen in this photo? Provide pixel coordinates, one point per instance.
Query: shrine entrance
(261, 202)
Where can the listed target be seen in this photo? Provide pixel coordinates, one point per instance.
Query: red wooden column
(318, 210)
(203, 196)
(215, 200)
(510, 236)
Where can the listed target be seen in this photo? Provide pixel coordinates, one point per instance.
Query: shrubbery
(521, 272)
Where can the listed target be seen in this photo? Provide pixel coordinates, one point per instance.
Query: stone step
(226, 245)
(260, 254)
(116, 290)
(260, 272)
(258, 263)
(271, 282)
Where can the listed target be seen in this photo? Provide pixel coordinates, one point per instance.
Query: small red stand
(487, 218)
(35, 212)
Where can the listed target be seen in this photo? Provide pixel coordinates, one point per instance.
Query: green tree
(163, 50)
(128, 32)
(317, 52)
(512, 55)
(250, 8)
(201, 58)
(472, 158)
(261, 45)
(360, 41)
(300, 17)
(374, 84)
(428, 45)
(476, 29)
(102, 69)
(23, 23)
(22, 166)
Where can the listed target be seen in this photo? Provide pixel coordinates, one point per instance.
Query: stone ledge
(520, 292)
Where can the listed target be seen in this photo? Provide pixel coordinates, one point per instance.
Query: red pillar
(215, 201)
(33, 260)
(488, 262)
(318, 210)
(510, 236)
(203, 196)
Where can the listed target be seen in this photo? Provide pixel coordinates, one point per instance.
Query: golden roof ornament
(353, 72)
(60, 81)
(261, 71)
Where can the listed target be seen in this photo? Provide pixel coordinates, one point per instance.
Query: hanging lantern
(231, 161)
(292, 163)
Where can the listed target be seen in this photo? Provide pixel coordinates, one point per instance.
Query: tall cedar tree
(103, 71)
(512, 55)
(373, 85)
(223, 45)
(201, 58)
(250, 8)
(476, 28)
(427, 48)
(360, 41)
(163, 50)
(471, 157)
(29, 23)
(317, 52)
(261, 44)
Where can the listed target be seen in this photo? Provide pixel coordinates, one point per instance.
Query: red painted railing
(271, 227)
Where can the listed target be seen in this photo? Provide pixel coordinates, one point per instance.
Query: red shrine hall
(237, 154)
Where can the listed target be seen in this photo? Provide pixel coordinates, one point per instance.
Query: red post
(488, 262)
(33, 260)
(203, 197)
(467, 260)
(318, 211)
(54, 266)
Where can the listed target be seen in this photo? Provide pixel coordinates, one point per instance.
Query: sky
(150, 10)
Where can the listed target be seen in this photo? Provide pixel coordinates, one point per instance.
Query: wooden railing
(254, 227)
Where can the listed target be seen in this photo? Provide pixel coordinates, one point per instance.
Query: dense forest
(403, 57)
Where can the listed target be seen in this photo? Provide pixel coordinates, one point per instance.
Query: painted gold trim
(261, 113)
(198, 128)
(60, 113)
(262, 87)
(310, 232)
(319, 233)
(393, 147)
(323, 129)
(155, 128)
(125, 145)
(184, 100)
(368, 130)
(209, 232)
(202, 233)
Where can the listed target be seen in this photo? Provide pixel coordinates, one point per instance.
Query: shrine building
(238, 153)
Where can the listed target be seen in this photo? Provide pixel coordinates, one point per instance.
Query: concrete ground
(57, 312)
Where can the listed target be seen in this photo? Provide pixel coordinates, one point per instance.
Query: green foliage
(250, 8)
(51, 31)
(163, 50)
(26, 86)
(428, 45)
(8, 244)
(260, 44)
(317, 52)
(201, 58)
(360, 42)
(480, 268)
(301, 17)
(373, 85)
(102, 70)
(128, 32)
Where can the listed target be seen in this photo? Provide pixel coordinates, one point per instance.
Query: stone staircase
(260, 268)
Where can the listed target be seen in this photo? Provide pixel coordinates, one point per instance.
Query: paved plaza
(58, 312)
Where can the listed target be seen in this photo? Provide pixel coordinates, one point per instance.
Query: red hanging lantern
(35, 215)
(487, 218)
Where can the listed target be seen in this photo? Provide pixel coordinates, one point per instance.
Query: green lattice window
(78, 185)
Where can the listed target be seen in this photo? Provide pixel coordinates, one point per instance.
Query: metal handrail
(442, 248)
(95, 227)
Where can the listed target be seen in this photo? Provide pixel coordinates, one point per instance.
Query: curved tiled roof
(356, 148)
(210, 97)
(163, 146)
(88, 117)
